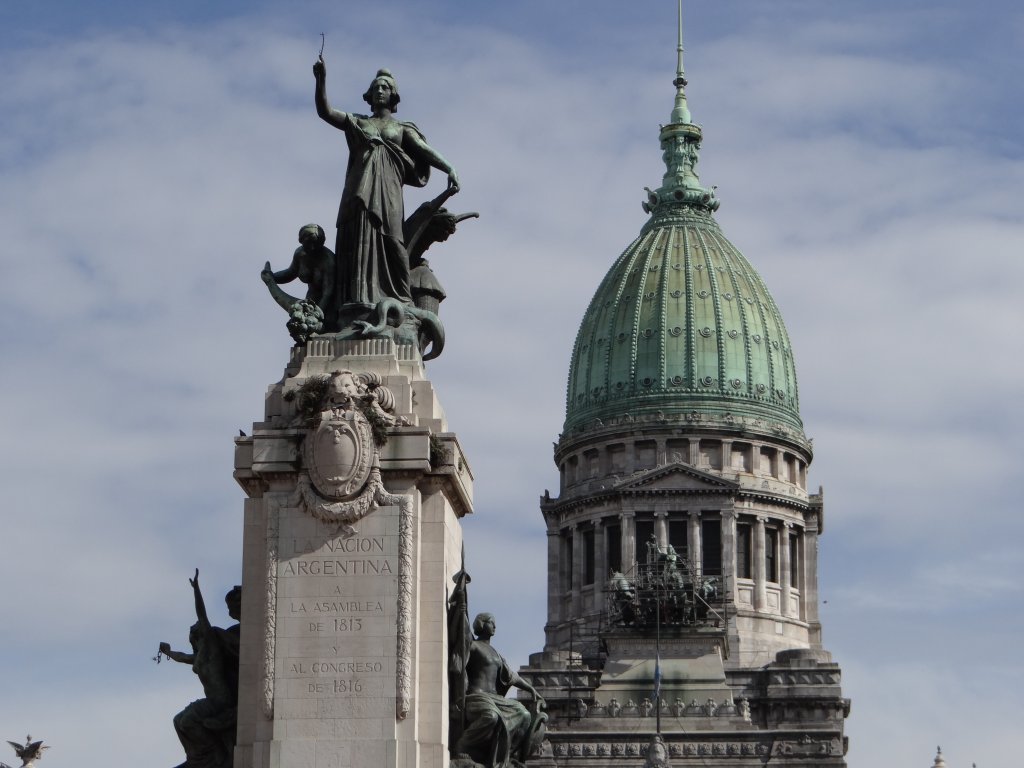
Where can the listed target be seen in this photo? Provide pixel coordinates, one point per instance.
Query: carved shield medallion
(339, 453)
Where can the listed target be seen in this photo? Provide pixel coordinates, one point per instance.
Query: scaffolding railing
(665, 591)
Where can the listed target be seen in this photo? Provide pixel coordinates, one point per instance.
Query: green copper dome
(682, 326)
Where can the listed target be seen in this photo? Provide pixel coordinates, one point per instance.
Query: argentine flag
(657, 680)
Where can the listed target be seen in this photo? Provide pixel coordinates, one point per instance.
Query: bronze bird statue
(29, 753)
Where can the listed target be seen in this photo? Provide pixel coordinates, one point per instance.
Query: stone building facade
(683, 542)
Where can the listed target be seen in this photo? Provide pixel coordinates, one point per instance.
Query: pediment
(676, 476)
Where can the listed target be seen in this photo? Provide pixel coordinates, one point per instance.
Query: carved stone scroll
(270, 607)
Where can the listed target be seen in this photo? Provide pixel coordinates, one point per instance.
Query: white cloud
(147, 177)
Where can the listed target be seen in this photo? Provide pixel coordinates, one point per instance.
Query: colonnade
(579, 555)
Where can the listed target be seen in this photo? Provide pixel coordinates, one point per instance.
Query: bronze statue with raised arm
(485, 728)
(384, 155)
(381, 287)
(206, 727)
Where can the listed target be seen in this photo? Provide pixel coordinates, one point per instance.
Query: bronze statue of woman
(384, 155)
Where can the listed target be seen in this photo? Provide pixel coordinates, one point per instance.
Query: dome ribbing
(682, 326)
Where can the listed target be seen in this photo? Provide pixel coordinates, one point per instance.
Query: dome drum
(757, 465)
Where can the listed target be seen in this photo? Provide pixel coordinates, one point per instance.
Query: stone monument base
(356, 489)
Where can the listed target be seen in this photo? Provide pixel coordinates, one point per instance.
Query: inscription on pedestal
(337, 621)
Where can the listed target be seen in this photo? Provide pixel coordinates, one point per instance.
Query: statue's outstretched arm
(184, 658)
(287, 274)
(522, 685)
(323, 107)
(433, 157)
(284, 300)
(204, 621)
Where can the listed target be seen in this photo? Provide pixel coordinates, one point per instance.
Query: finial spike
(680, 144)
(679, 67)
(680, 112)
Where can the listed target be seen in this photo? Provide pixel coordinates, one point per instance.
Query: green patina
(682, 325)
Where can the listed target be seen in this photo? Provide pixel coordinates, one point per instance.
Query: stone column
(577, 571)
(565, 572)
(809, 578)
(435, 566)
(696, 553)
(600, 562)
(660, 452)
(555, 610)
(797, 583)
(694, 452)
(784, 568)
(729, 554)
(661, 529)
(760, 574)
(628, 524)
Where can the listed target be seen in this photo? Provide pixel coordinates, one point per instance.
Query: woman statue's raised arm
(323, 107)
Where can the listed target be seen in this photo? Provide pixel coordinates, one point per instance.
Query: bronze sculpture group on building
(664, 590)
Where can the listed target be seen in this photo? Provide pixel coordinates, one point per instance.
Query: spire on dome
(681, 112)
(680, 144)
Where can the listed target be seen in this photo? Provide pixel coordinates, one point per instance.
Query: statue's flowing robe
(206, 727)
(496, 727)
(486, 726)
(373, 263)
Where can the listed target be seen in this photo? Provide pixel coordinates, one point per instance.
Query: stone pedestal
(343, 649)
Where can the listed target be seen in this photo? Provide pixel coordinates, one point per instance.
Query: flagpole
(657, 661)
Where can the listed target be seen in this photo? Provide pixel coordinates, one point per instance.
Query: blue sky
(153, 156)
